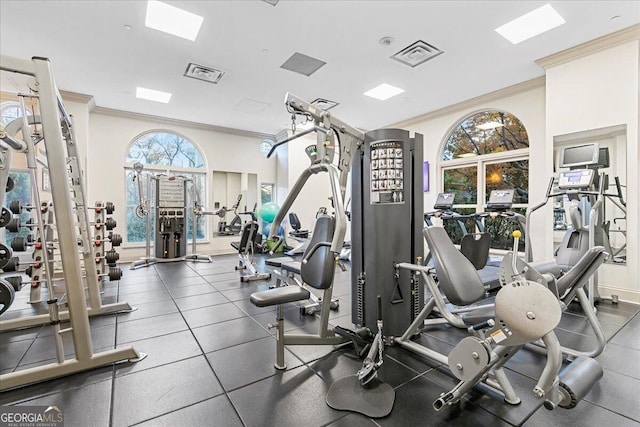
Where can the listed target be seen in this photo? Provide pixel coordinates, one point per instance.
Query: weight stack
(386, 226)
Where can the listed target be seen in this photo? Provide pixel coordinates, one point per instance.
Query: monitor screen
(444, 201)
(580, 155)
(500, 199)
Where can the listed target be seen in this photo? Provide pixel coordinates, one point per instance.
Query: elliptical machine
(235, 226)
(585, 187)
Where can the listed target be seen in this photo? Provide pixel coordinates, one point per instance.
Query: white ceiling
(92, 53)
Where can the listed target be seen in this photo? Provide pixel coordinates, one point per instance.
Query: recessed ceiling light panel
(303, 64)
(251, 106)
(383, 92)
(531, 24)
(206, 74)
(324, 104)
(170, 19)
(417, 53)
(152, 95)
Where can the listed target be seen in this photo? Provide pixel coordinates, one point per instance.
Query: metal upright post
(52, 112)
(61, 193)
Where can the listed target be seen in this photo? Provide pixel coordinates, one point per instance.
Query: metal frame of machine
(72, 230)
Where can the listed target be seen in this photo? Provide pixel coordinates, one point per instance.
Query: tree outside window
(484, 152)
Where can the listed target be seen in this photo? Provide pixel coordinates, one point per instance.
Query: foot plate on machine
(374, 400)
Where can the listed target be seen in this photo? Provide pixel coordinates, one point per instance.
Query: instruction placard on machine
(387, 172)
(171, 193)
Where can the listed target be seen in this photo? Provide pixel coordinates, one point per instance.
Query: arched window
(163, 151)
(9, 111)
(486, 151)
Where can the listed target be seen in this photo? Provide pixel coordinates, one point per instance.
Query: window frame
(159, 169)
(480, 162)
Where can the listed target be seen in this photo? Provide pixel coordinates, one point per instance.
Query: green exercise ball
(269, 211)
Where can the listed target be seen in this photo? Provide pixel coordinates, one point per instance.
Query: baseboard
(623, 294)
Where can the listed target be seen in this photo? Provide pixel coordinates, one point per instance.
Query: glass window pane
(458, 228)
(166, 149)
(266, 193)
(508, 175)
(462, 182)
(485, 133)
(137, 227)
(501, 230)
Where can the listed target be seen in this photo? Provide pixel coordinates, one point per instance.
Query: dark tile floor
(210, 362)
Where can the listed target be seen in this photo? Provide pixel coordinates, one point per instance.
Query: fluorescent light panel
(152, 95)
(531, 24)
(170, 19)
(383, 92)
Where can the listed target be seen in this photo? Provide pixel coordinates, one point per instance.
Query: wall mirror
(594, 160)
(232, 194)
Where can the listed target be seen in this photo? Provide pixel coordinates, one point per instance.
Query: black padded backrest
(250, 231)
(580, 273)
(475, 247)
(318, 271)
(294, 221)
(457, 277)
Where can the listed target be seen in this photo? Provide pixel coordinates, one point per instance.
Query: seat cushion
(281, 295)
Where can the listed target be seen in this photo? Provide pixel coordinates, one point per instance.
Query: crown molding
(78, 97)
(469, 103)
(165, 120)
(597, 45)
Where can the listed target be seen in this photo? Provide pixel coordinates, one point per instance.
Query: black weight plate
(5, 217)
(10, 184)
(7, 295)
(5, 255)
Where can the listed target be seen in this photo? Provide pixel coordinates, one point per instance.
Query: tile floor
(210, 357)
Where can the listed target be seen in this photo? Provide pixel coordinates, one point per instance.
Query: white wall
(596, 91)
(109, 138)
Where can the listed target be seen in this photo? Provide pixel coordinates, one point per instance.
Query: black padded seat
(281, 295)
(319, 269)
(475, 247)
(295, 224)
(250, 231)
(580, 273)
(292, 267)
(478, 316)
(547, 267)
(457, 277)
(278, 261)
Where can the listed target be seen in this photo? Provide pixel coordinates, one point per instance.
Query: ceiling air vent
(417, 53)
(206, 74)
(324, 104)
(303, 64)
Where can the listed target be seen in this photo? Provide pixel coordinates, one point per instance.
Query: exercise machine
(525, 311)
(586, 189)
(72, 230)
(249, 244)
(170, 234)
(142, 211)
(235, 226)
(198, 212)
(318, 264)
